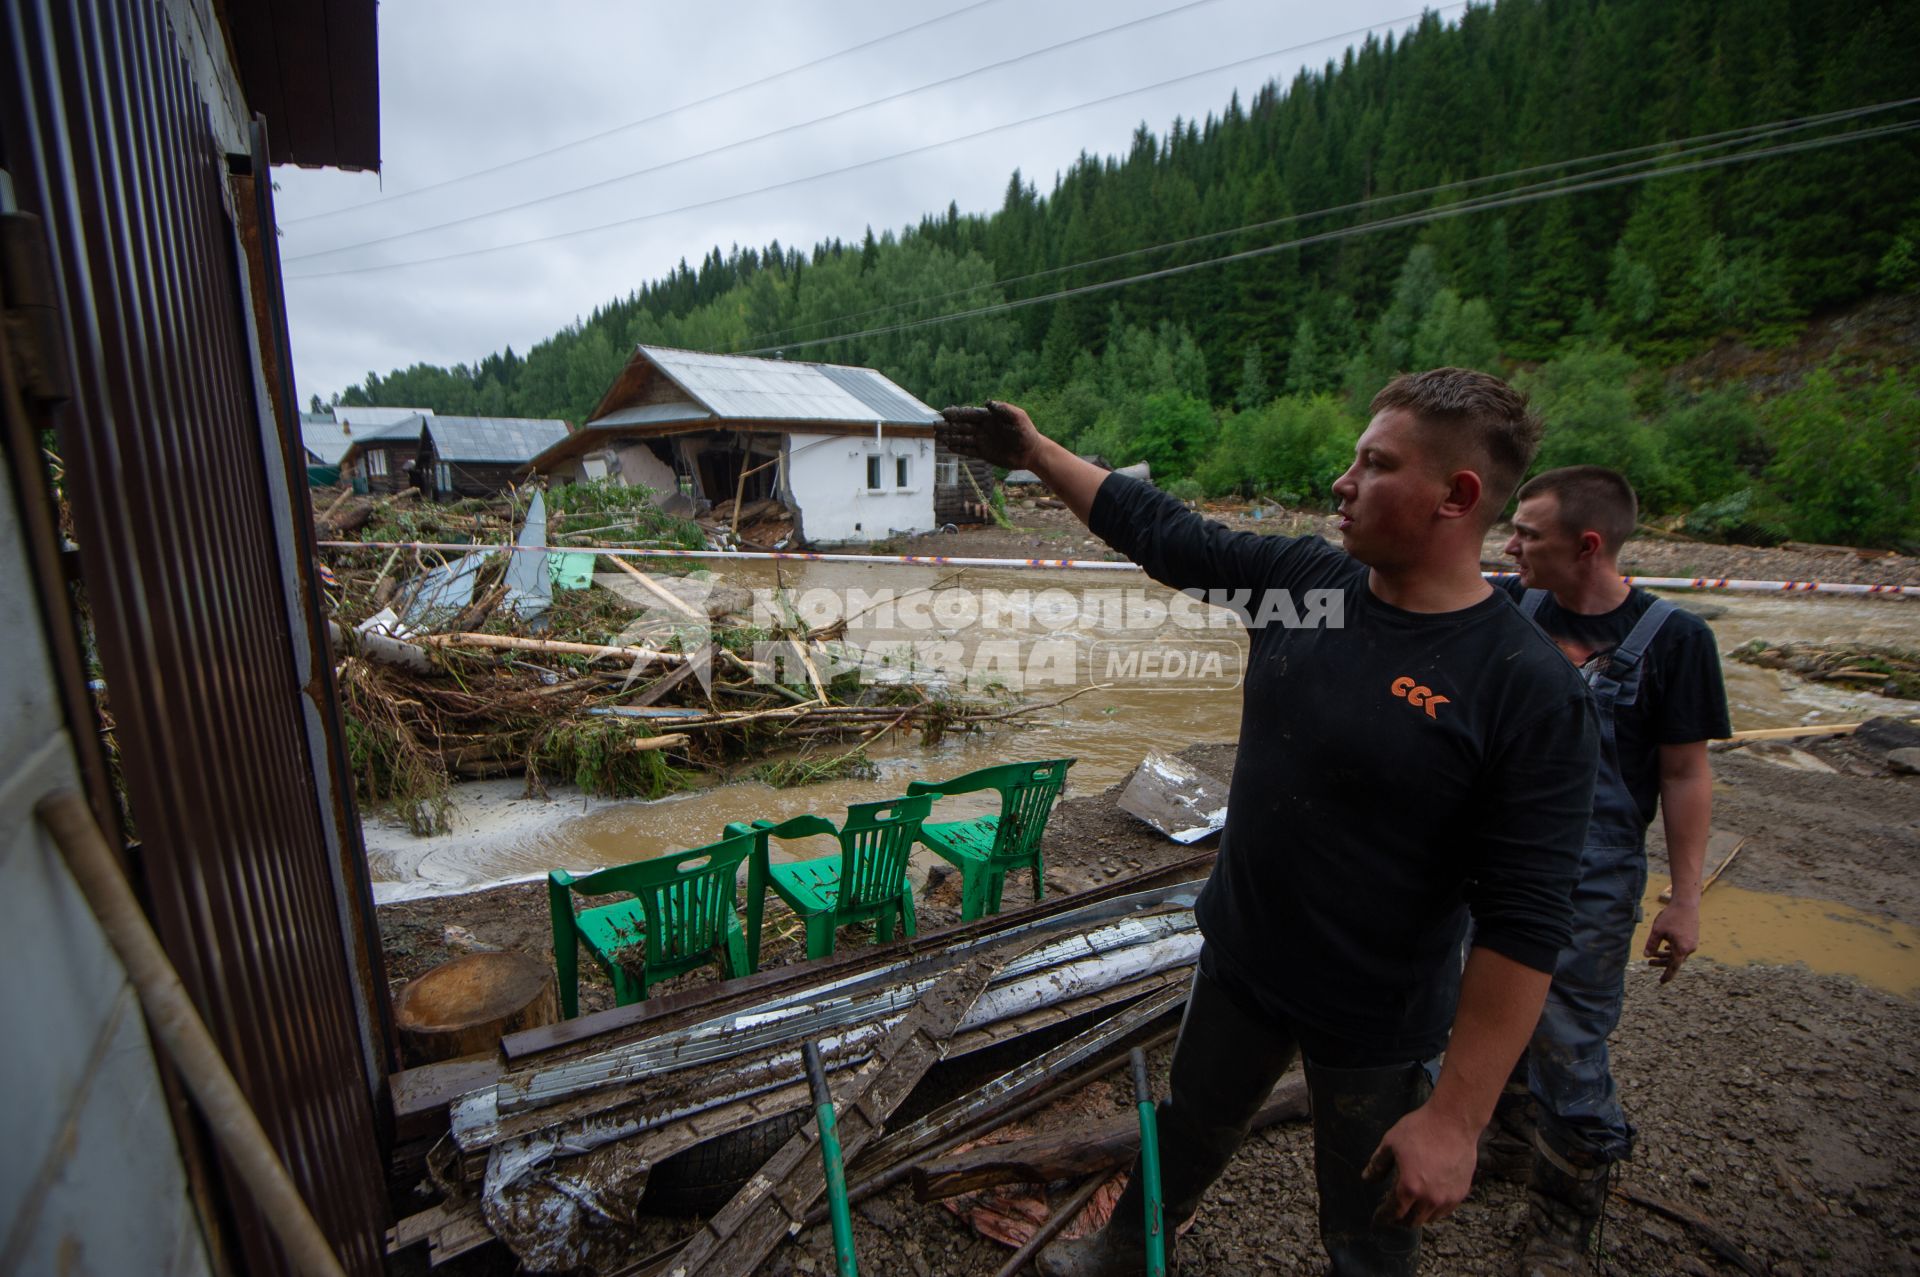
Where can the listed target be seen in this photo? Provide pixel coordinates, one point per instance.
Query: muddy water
(1739, 926)
(1107, 728)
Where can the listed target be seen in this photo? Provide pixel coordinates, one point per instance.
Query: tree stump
(464, 1007)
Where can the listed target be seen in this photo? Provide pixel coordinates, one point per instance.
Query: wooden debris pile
(554, 1148)
(626, 687)
(753, 525)
(1889, 671)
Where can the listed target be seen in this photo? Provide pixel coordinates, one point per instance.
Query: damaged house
(847, 451)
(446, 458)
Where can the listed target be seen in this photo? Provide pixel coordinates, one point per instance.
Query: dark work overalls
(1578, 1106)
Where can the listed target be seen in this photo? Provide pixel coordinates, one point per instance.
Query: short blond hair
(1472, 412)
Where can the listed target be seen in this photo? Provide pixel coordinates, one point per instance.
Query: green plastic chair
(682, 916)
(984, 849)
(866, 881)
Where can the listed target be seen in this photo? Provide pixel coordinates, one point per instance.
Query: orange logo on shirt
(1418, 695)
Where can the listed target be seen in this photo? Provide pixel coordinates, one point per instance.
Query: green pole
(830, 1155)
(1150, 1167)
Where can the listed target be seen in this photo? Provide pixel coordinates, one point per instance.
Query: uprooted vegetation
(1869, 667)
(630, 692)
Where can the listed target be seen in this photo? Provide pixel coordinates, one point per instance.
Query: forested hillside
(1253, 375)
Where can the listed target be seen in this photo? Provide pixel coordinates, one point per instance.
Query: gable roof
(744, 388)
(408, 427)
(664, 391)
(358, 417)
(324, 438)
(493, 438)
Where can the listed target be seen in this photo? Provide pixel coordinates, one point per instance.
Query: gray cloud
(466, 84)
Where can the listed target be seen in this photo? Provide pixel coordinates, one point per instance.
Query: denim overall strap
(1578, 1104)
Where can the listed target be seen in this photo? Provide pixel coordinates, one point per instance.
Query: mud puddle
(1739, 926)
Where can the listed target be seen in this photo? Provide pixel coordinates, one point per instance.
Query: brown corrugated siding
(106, 136)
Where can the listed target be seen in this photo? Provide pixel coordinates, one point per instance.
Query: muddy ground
(1780, 1105)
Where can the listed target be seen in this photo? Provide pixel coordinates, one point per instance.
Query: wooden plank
(1070, 1154)
(420, 1096)
(658, 590)
(776, 1200)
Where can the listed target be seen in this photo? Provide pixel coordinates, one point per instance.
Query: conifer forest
(1589, 196)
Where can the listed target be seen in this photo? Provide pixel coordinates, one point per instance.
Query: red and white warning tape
(1083, 565)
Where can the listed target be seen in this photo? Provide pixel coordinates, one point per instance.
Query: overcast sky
(467, 85)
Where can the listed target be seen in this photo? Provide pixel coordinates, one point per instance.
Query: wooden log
(379, 647)
(466, 1006)
(641, 744)
(660, 591)
(1043, 1159)
(511, 643)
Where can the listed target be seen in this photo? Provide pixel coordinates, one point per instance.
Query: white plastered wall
(641, 468)
(92, 1180)
(826, 476)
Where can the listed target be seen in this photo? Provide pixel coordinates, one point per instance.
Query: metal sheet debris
(1176, 798)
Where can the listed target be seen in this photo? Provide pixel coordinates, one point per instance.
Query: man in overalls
(1655, 677)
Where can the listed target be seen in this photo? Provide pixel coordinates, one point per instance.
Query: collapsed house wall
(853, 488)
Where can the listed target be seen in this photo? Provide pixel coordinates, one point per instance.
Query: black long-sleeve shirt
(1396, 773)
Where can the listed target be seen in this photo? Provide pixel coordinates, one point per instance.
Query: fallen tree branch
(1707, 1232)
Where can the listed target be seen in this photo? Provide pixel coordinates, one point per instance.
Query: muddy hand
(998, 433)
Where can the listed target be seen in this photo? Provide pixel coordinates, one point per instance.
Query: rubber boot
(1566, 1196)
(1187, 1167)
(1224, 1067)
(1352, 1110)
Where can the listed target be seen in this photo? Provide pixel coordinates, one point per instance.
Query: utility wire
(863, 164)
(783, 130)
(1672, 148)
(575, 144)
(1399, 221)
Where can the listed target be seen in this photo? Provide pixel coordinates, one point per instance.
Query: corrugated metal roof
(493, 438)
(400, 428)
(357, 417)
(747, 389)
(324, 437)
(649, 413)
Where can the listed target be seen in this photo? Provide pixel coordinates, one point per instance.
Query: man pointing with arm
(1428, 758)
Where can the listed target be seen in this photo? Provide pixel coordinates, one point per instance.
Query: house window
(376, 464)
(442, 477)
(946, 472)
(873, 473)
(900, 472)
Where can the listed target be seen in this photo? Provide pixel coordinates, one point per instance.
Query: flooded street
(499, 835)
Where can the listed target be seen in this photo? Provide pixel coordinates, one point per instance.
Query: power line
(783, 130)
(1663, 150)
(863, 164)
(1397, 222)
(575, 144)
